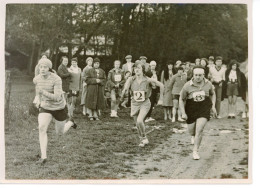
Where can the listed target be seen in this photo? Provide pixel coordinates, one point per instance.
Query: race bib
(139, 96)
(198, 96)
(74, 92)
(118, 78)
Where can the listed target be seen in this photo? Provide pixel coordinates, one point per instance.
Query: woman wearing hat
(51, 104)
(95, 100)
(140, 87)
(74, 86)
(89, 62)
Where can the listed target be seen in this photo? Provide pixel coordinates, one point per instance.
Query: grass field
(108, 149)
(95, 150)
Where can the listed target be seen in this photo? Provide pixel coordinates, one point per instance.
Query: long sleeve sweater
(51, 97)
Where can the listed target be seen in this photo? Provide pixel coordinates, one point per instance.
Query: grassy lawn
(95, 150)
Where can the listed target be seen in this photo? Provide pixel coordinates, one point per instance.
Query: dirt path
(223, 152)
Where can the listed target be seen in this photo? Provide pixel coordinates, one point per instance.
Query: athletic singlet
(140, 92)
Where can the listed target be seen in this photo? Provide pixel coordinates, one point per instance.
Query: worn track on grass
(224, 154)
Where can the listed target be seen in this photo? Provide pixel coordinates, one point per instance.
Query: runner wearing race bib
(75, 82)
(199, 96)
(140, 88)
(115, 84)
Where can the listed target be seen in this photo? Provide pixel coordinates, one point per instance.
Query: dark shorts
(73, 93)
(59, 115)
(195, 110)
(175, 97)
(232, 89)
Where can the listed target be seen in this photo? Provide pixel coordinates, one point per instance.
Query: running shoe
(173, 119)
(180, 119)
(144, 142)
(192, 140)
(41, 161)
(196, 155)
(243, 115)
(219, 117)
(74, 126)
(149, 119)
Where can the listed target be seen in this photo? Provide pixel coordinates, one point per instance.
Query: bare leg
(44, 119)
(200, 124)
(234, 104)
(165, 113)
(229, 105)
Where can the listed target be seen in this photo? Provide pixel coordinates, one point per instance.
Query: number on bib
(199, 96)
(139, 96)
(118, 78)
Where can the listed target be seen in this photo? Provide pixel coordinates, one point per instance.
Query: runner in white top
(140, 87)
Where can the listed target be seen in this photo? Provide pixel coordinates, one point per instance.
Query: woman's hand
(215, 114)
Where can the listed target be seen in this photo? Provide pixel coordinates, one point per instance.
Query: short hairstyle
(63, 57)
(96, 60)
(205, 59)
(170, 62)
(118, 61)
(233, 62)
(74, 59)
(143, 66)
(180, 68)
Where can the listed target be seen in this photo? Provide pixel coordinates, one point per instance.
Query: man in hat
(128, 66)
(143, 61)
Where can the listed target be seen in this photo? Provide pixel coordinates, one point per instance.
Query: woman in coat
(166, 76)
(65, 76)
(89, 62)
(95, 100)
(235, 85)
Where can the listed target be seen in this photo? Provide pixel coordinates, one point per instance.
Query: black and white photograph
(128, 92)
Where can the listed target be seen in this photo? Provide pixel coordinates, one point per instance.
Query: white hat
(45, 61)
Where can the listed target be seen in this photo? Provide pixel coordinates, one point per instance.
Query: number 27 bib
(198, 96)
(139, 96)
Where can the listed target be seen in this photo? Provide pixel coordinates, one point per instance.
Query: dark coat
(95, 91)
(65, 77)
(242, 84)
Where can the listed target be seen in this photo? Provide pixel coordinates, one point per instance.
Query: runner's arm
(158, 84)
(126, 86)
(182, 100)
(57, 95)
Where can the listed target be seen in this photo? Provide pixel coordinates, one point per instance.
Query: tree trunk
(29, 68)
(55, 66)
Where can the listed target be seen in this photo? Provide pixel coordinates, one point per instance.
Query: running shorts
(140, 107)
(59, 115)
(195, 110)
